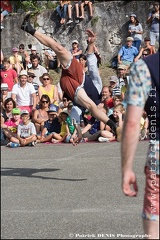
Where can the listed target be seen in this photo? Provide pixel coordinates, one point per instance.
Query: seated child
(26, 132)
(51, 126)
(10, 128)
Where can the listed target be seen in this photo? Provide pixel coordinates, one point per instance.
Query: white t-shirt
(26, 130)
(24, 95)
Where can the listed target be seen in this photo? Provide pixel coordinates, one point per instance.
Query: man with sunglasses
(72, 77)
(25, 56)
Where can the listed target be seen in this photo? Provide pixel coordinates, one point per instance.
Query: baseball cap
(133, 15)
(16, 111)
(24, 112)
(52, 108)
(15, 49)
(4, 86)
(129, 39)
(121, 66)
(65, 111)
(23, 72)
(75, 41)
(33, 48)
(113, 79)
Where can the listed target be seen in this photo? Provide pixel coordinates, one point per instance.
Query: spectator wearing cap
(52, 125)
(147, 45)
(24, 93)
(76, 50)
(8, 75)
(4, 91)
(135, 30)
(38, 69)
(34, 52)
(127, 53)
(10, 126)
(16, 60)
(26, 132)
(121, 74)
(25, 56)
(116, 89)
(153, 21)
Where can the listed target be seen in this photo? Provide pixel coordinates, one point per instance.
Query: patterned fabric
(137, 93)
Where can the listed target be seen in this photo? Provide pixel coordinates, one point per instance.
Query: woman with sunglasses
(48, 88)
(41, 115)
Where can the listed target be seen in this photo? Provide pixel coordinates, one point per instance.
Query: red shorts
(151, 197)
(72, 78)
(28, 108)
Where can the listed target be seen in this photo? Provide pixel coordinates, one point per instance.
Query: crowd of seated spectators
(35, 110)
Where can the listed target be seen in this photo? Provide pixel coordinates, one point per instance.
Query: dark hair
(9, 100)
(21, 45)
(83, 56)
(47, 99)
(33, 57)
(147, 50)
(6, 60)
(137, 22)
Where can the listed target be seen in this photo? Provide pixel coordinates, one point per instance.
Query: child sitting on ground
(26, 132)
(51, 126)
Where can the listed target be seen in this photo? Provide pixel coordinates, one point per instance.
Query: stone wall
(110, 23)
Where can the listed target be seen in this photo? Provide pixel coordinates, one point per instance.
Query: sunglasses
(31, 76)
(44, 101)
(144, 54)
(64, 100)
(21, 48)
(45, 78)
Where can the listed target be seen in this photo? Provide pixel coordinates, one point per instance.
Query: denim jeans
(137, 43)
(62, 11)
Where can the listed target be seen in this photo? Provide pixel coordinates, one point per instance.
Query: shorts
(52, 64)
(5, 13)
(72, 78)
(125, 62)
(154, 37)
(67, 139)
(151, 196)
(28, 108)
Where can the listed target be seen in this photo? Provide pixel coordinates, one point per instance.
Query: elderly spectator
(127, 53)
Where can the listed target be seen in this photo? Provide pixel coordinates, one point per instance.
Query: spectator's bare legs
(151, 228)
(70, 11)
(90, 9)
(77, 9)
(82, 10)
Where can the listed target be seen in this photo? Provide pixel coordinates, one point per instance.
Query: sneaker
(69, 21)
(32, 143)
(26, 25)
(103, 139)
(77, 21)
(143, 134)
(13, 145)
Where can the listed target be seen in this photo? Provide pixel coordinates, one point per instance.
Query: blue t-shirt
(128, 53)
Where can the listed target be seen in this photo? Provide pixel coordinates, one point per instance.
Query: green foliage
(94, 21)
(33, 5)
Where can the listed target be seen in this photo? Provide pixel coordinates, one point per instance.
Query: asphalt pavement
(58, 191)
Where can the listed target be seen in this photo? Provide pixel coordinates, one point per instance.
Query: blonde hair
(120, 107)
